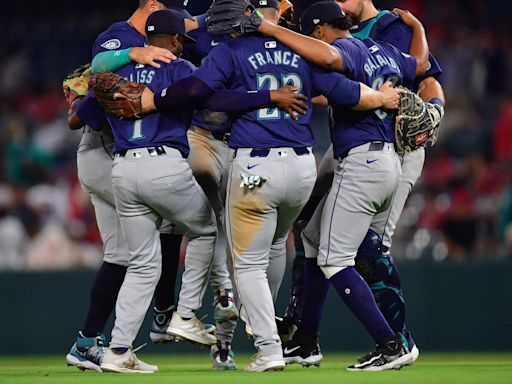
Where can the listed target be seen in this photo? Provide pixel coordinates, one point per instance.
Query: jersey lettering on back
(257, 63)
(157, 128)
(373, 64)
(388, 27)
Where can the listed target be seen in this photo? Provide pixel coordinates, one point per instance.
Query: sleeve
(339, 90)
(407, 65)
(181, 69)
(434, 69)
(397, 34)
(348, 54)
(217, 68)
(237, 101)
(115, 39)
(110, 61)
(91, 113)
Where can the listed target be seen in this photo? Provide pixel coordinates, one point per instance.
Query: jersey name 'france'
(157, 128)
(373, 64)
(260, 64)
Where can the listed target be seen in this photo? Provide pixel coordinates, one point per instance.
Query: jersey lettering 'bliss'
(144, 76)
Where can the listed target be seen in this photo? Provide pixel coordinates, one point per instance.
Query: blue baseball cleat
(87, 352)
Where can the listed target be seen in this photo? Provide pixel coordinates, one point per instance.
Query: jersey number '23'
(270, 82)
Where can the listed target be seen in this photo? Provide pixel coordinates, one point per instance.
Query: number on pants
(270, 82)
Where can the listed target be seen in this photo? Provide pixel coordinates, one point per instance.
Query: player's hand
(147, 101)
(287, 99)
(151, 55)
(390, 96)
(408, 18)
(267, 28)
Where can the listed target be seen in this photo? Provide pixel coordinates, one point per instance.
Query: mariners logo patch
(111, 44)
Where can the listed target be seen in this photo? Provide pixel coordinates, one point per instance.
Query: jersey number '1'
(137, 130)
(271, 82)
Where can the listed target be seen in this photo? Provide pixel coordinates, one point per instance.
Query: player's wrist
(148, 101)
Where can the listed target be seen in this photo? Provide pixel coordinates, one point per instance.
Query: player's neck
(138, 21)
(340, 34)
(369, 12)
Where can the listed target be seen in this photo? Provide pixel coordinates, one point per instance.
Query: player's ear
(318, 33)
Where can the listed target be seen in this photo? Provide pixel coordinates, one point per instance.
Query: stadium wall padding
(451, 307)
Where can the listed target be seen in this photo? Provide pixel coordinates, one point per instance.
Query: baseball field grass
(467, 368)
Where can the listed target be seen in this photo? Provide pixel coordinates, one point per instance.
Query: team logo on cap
(111, 44)
(316, 21)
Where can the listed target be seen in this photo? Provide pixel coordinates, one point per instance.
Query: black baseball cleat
(391, 354)
(302, 350)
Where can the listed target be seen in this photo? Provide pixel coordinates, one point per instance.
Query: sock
(359, 298)
(104, 291)
(294, 307)
(164, 291)
(120, 350)
(316, 287)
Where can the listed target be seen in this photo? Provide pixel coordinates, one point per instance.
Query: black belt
(221, 136)
(374, 146)
(299, 151)
(153, 151)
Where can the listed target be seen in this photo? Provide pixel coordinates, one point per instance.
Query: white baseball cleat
(191, 330)
(266, 363)
(125, 363)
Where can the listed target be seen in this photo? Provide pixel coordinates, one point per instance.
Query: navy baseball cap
(319, 13)
(166, 22)
(265, 3)
(178, 5)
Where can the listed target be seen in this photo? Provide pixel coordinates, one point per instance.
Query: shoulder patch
(111, 44)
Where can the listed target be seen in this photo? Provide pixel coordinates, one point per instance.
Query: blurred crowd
(461, 209)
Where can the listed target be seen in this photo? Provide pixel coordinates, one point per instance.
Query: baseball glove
(75, 84)
(417, 122)
(117, 95)
(232, 16)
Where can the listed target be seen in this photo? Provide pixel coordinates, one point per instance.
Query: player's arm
(110, 61)
(419, 44)
(315, 51)
(344, 92)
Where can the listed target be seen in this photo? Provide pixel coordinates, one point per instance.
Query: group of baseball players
(221, 151)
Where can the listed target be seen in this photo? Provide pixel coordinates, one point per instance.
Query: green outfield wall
(450, 307)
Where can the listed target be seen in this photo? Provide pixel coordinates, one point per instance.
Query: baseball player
(386, 284)
(209, 160)
(94, 161)
(362, 192)
(374, 251)
(152, 180)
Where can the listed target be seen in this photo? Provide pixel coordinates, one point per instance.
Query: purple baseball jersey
(157, 128)
(373, 64)
(120, 35)
(260, 63)
(389, 27)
